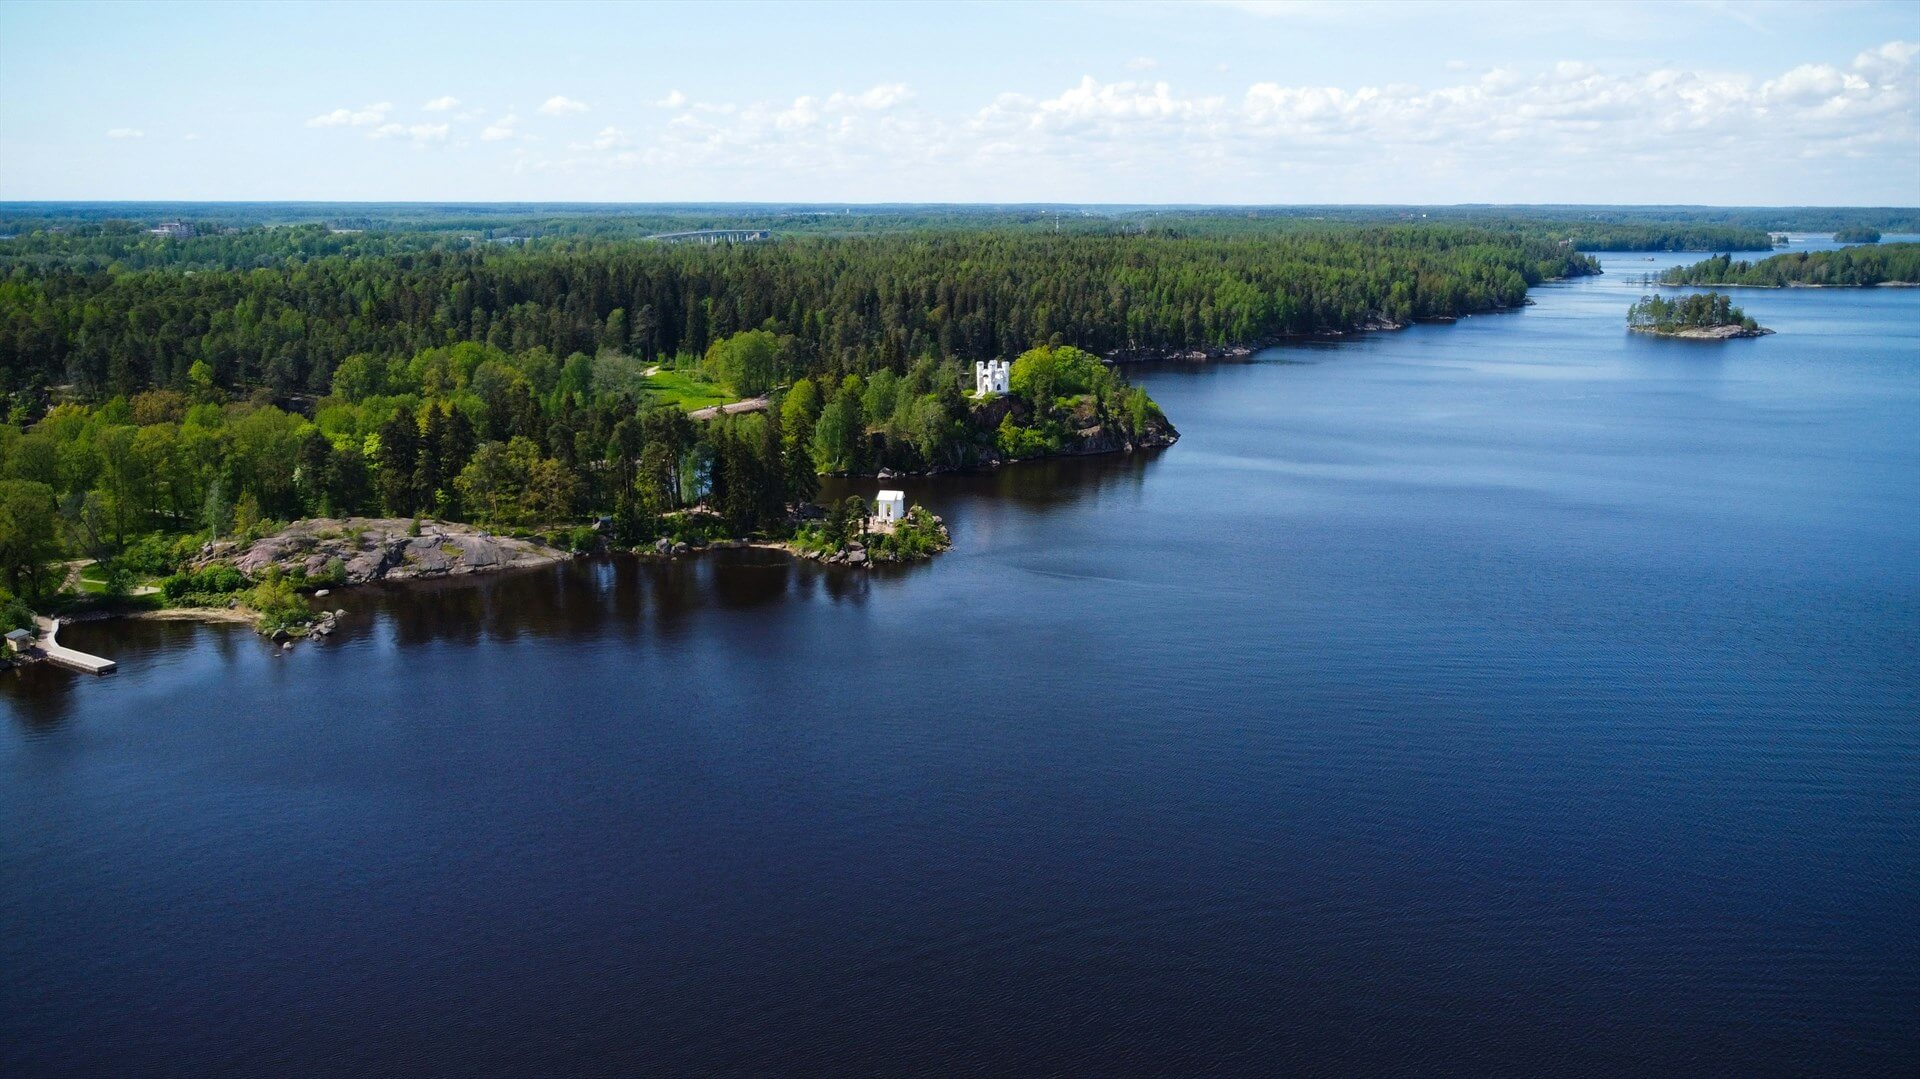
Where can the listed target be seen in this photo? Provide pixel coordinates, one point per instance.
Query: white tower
(990, 376)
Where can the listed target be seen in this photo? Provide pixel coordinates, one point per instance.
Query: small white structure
(990, 376)
(19, 640)
(890, 508)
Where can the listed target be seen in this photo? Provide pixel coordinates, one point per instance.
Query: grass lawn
(671, 387)
(93, 579)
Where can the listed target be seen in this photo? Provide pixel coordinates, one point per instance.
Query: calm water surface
(1509, 697)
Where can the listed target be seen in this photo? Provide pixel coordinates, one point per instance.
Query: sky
(1249, 102)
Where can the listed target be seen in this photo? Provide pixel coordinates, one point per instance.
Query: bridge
(714, 236)
(54, 652)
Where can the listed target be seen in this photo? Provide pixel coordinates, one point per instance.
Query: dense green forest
(1849, 266)
(219, 370)
(1696, 311)
(519, 441)
(848, 304)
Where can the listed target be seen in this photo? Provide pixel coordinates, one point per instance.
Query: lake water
(1513, 696)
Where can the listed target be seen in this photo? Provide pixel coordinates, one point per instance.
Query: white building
(990, 376)
(890, 508)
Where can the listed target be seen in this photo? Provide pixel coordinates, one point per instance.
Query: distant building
(990, 376)
(890, 508)
(172, 230)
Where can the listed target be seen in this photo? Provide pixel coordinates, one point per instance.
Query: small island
(1705, 316)
(1857, 235)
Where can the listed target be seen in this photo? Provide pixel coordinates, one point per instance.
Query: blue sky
(1248, 102)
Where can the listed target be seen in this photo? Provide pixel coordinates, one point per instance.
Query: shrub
(195, 585)
(279, 606)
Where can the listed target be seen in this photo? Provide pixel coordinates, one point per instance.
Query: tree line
(850, 305)
(1848, 266)
(1700, 310)
(519, 441)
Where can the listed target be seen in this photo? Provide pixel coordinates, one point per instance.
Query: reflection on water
(617, 597)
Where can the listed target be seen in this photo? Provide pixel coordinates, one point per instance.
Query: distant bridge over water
(714, 236)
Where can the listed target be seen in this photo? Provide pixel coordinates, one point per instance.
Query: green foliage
(29, 538)
(1044, 374)
(511, 483)
(1695, 311)
(280, 607)
(204, 587)
(14, 613)
(1848, 266)
(749, 362)
(917, 535)
(1016, 442)
(816, 305)
(1858, 234)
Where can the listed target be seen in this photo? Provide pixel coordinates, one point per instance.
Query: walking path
(751, 404)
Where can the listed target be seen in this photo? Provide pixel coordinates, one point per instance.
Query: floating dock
(53, 651)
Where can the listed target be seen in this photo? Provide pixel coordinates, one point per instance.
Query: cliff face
(374, 549)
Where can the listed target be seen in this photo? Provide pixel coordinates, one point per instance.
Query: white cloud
(446, 103)
(500, 129)
(125, 133)
(609, 138)
(1567, 131)
(421, 133)
(365, 116)
(561, 105)
(1142, 63)
(674, 100)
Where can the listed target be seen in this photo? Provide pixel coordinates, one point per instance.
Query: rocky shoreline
(1703, 333)
(1245, 349)
(855, 555)
(356, 550)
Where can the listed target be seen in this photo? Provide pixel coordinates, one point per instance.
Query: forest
(1847, 267)
(517, 441)
(539, 371)
(851, 305)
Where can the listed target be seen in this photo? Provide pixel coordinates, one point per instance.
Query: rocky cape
(1090, 434)
(379, 549)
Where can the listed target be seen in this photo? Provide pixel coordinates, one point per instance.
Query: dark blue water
(1510, 697)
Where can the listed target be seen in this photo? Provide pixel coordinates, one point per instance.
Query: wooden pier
(53, 651)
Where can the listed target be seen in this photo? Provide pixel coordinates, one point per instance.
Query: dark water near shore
(1515, 696)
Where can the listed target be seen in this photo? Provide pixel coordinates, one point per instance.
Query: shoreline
(1703, 333)
(1790, 284)
(1244, 349)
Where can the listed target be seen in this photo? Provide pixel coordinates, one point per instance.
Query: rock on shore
(1705, 333)
(377, 549)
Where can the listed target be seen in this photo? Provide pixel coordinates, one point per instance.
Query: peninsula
(1890, 265)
